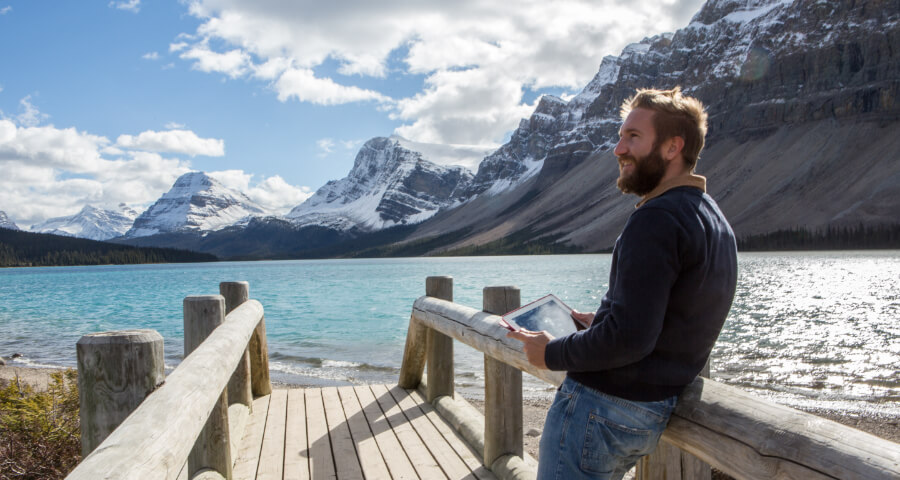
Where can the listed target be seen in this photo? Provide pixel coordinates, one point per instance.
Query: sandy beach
(535, 410)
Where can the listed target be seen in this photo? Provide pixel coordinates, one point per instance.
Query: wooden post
(413, 365)
(259, 361)
(239, 388)
(502, 388)
(670, 462)
(202, 314)
(116, 371)
(439, 347)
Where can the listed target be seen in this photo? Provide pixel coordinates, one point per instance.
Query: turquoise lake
(806, 329)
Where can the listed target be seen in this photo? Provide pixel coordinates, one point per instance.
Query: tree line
(858, 237)
(27, 249)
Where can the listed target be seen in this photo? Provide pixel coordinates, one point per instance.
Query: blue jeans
(589, 434)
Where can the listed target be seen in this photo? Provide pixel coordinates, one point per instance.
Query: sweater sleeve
(630, 318)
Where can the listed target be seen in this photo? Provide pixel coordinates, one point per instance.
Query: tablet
(546, 313)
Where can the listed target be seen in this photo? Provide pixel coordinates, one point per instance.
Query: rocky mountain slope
(196, 203)
(6, 223)
(90, 222)
(388, 185)
(804, 124)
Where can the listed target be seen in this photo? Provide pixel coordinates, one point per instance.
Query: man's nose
(620, 148)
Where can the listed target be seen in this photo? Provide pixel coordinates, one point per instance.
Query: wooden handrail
(741, 435)
(156, 439)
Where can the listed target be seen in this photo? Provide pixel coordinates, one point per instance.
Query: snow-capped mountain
(388, 185)
(91, 222)
(195, 203)
(801, 95)
(6, 223)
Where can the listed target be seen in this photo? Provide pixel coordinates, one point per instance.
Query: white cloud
(30, 115)
(49, 172)
(174, 126)
(303, 85)
(150, 56)
(233, 63)
(326, 146)
(173, 141)
(272, 193)
(129, 5)
(5, 10)
(478, 56)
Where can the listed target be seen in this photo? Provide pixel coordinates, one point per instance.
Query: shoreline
(534, 411)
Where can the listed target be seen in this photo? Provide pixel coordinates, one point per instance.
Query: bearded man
(671, 285)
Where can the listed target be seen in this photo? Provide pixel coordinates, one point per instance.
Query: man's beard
(646, 174)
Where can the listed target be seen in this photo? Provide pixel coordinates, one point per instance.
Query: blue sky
(107, 102)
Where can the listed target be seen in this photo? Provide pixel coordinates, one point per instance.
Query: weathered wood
(259, 361)
(747, 437)
(116, 371)
(271, 455)
(423, 462)
(502, 388)
(466, 453)
(412, 367)
(346, 460)
(370, 458)
(439, 347)
(445, 456)
(202, 315)
(153, 442)
(321, 463)
(247, 461)
(394, 456)
(296, 452)
(479, 330)
(239, 387)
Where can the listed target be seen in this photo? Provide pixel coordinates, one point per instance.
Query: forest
(26, 249)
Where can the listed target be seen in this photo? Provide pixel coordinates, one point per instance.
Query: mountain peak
(5, 222)
(388, 185)
(196, 202)
(90, 222)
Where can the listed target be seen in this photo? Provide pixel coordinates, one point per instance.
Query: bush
(39, 430)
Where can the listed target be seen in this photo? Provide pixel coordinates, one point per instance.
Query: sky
(108, 102)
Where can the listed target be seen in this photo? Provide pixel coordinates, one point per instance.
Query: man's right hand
(583, 318)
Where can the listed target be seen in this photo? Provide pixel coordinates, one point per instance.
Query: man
(671, 285)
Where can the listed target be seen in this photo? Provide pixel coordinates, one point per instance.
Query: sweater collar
(689, 180)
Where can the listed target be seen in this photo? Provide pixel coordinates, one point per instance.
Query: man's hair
(675, 115)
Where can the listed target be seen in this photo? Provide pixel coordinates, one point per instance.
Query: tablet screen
(547, 313)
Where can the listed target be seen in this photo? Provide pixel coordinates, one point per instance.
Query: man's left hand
(535, 345)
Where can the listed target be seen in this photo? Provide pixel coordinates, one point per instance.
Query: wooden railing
(135, 425)
(741, 435)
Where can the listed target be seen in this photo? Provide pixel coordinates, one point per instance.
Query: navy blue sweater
(671, 284)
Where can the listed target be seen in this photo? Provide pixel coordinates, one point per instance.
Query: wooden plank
(370, 458)
(271, 457)
(248, 455)
(424, 463)
(469, 455)
(394, 455)
(321, 462)
(296, 450)
(446, 457)
(346, 459)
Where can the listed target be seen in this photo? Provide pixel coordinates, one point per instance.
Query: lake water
(806, 329)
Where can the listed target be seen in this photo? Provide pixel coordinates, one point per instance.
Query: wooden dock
(368, 431)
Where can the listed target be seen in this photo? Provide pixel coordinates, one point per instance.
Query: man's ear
(672, 147)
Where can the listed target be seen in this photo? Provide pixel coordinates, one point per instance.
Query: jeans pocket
(608, 445)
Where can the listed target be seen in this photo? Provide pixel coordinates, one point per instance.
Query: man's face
(641, 166)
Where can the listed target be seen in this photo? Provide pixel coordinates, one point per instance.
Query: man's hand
(584, 319)
(535, 345)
